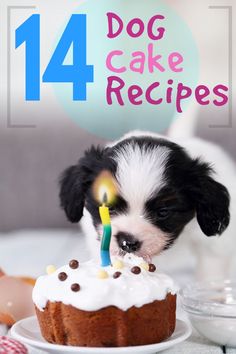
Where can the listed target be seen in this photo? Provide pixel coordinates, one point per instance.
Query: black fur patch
(76, 185)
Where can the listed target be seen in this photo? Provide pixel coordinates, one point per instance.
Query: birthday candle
(106, 237)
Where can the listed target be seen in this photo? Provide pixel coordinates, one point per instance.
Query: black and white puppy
(162, 187)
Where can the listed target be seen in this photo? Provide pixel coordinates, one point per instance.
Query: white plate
(28, 332)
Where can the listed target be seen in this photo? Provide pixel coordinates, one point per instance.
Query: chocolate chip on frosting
(116, 275)
(75, 287)
(136, 270)
(152, 267)
(74, 264)
(62, 276)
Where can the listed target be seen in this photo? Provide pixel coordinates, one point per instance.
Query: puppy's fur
(162, 188)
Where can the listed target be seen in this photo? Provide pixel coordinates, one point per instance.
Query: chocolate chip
(75, 287)
(152, 267)
(74, 264)
(116, 275)
(62, 276)
(136, 270)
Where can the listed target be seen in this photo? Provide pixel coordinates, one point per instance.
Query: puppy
(164, 190)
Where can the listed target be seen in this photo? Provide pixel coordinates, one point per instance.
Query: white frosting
(124, 292)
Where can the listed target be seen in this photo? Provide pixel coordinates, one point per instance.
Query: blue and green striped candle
(106, 237)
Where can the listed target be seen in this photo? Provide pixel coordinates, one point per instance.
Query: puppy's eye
(163, 212)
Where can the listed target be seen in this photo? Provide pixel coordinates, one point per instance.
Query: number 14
(79, 73)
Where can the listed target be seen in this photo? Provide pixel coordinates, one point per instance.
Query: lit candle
(106, 237)
(105, 191)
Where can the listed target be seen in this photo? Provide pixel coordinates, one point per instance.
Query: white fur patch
(140, 173)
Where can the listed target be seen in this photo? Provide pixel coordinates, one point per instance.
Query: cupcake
(125, 304)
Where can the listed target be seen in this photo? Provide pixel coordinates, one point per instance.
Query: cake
(129, 303)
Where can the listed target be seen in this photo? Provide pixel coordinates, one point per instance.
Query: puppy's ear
(76, 180)
(72, 193)
(211, 200)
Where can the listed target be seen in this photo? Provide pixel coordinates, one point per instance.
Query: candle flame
(105, 188)
(104, 199)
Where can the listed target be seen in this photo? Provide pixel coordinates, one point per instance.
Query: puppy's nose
(127, 242)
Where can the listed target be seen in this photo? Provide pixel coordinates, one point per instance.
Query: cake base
(110, 326)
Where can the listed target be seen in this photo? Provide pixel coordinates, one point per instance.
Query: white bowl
(211, 307)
